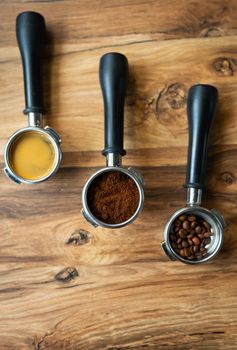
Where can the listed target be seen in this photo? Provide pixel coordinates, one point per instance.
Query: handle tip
(114, 55)
(30, 17)
(115, 60)
(202, 92)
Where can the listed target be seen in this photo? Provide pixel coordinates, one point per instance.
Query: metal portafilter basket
(30, 31)
(113, 73)
(201, 105)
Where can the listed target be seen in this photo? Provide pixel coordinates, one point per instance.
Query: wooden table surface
(115, 289)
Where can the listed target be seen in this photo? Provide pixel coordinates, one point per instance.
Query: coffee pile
(189, 236)
(113, 197)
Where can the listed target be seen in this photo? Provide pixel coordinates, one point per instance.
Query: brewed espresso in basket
(32, 156)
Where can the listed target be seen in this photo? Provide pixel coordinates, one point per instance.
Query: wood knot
(175, 95)
(212, 32)
(170, 105)
(227, 178)
(225, 66)
(67, 274)
(79, 237)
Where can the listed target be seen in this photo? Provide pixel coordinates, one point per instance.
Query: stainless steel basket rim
(92, 178)
(58, 153)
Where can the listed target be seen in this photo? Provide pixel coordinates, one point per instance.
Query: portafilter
(201, 106)
(113, 74)
(30, 31)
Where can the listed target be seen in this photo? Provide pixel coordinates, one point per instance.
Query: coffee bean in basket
(190, 236)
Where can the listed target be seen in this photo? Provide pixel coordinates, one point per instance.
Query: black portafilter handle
(201, 107)
(30, 32)
(113, 73)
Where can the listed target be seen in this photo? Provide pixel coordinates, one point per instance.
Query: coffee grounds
(113, 197)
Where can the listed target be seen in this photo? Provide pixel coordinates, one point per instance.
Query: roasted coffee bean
(201, 235)
(196, 240)
(180, 246)
(177, 223)
(182, 217)
(191, 218)
(181, 252)
(196, 249)
(203, 250)
(174, 245)
(185, 244)
(190, 235)
(207, 225)
(193, 224)
(206, 241)
(187, 252)
(186, 225)
(190, 242)
(198, 229)
(207, 234)
(176, 228)
(179, 240)
(182, 233)
(191, 257)
(173, 237)
(203, 230)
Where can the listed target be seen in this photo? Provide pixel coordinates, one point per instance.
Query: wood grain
(66, 285)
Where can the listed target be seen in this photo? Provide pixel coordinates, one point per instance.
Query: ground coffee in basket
(113, 197)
